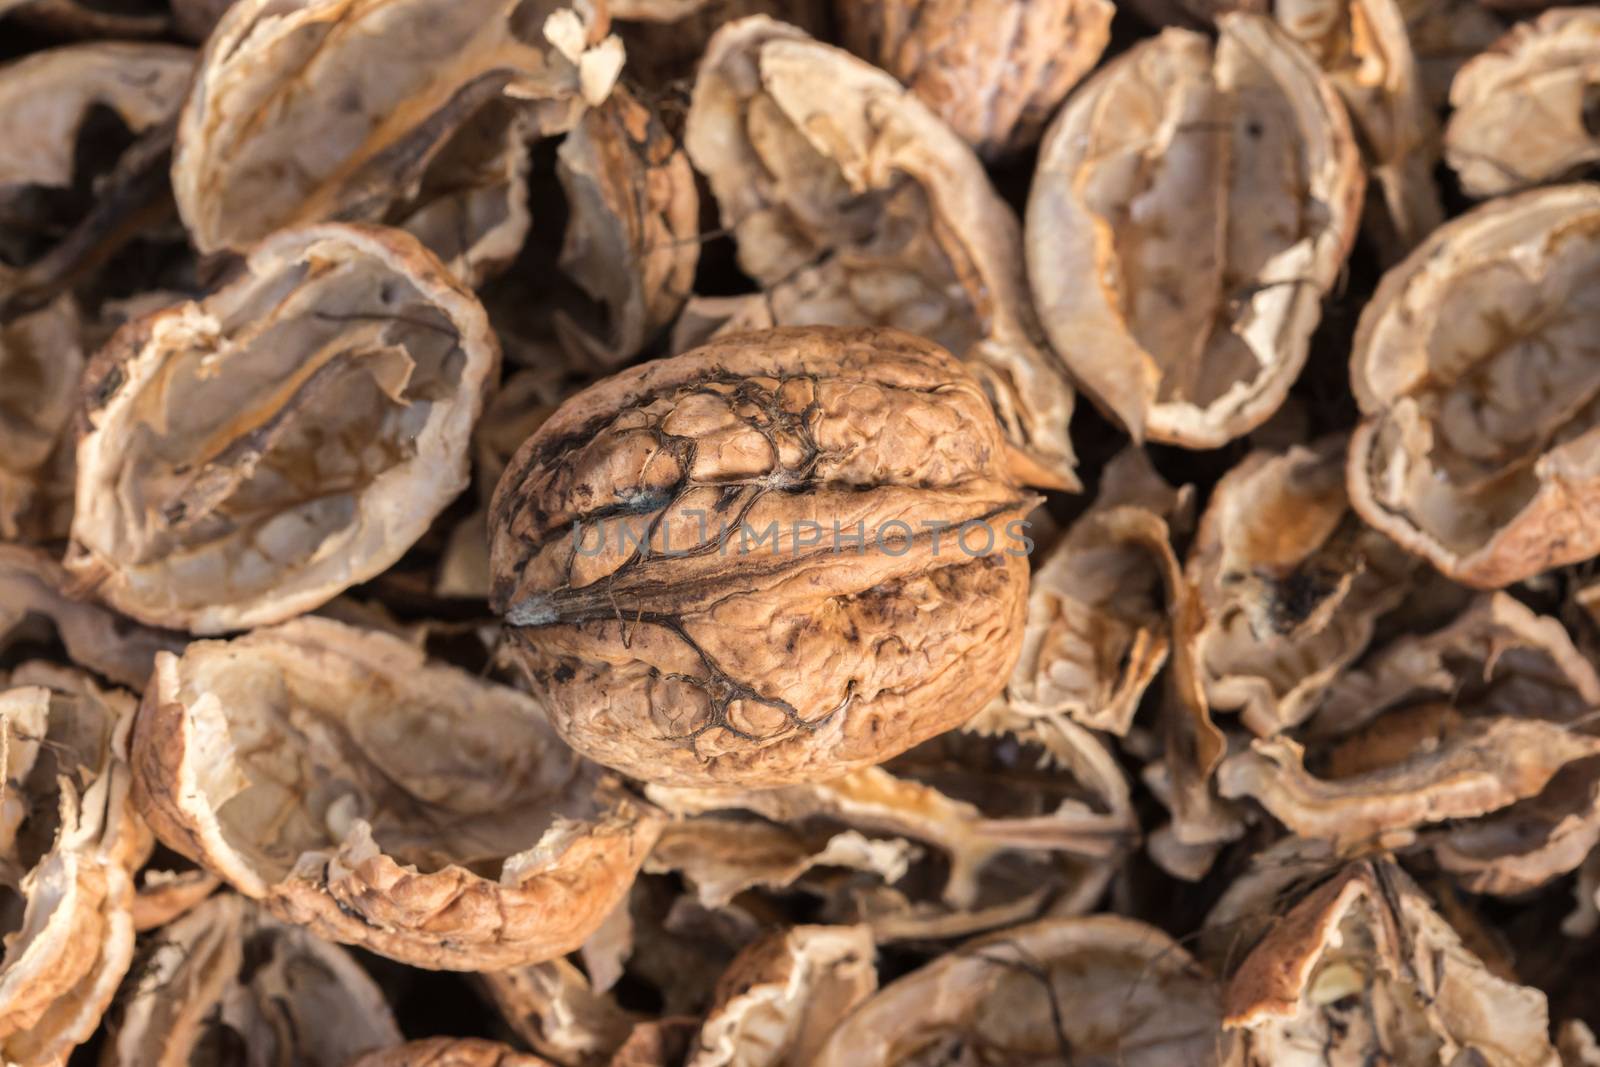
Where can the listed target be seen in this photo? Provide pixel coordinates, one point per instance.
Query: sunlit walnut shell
(1363, 48)
(162, 896)
(227, 981)
(1292, 584)
(1362, 969)
(557, 1012)
(450, 1052)
(1479, 446)
(408, 112)
(782, 996)
(1097, 632)
(83, 132)
(351, 786)
(1193, 205)
(675, 553)
(993, 70)
(853, 204)
(1525, 110)
(69, 840)
(1097, 989)
(246, 458)
(1449, 725)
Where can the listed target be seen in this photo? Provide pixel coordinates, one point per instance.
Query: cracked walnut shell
(746, 565)
(1192, 206)
(248, 457)
(351, 786)
(1474, 365)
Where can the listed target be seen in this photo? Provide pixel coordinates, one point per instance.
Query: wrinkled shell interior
(853, 204)
(247, 457)
(1363, 969)
(1480, 392)
(1293, 584)
(993, 70)
(1525, 109)
(227, 978)
(450, 1052)
(68, 843)
(1101, 988)
(1449, 725)
(1193, 205)
(400, 112)
(337, 776)
(727, 638)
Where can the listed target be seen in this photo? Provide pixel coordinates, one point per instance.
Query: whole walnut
(778, 557)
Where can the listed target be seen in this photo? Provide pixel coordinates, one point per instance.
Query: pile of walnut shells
(778, 533)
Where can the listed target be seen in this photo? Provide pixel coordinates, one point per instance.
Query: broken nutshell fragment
(1480, 393)
(1450, 725)
(84, 131)
(227, 983)
(353, 787)
(40, 361)
(783, 995)
(1292, 583)
(557, 1011)
(69, 841)
(247, 457)
(1097, 632)
(778, 557)
(1527, 110)
(853, 204)
(1362, 969)
(1193, 204)
(993, 70)
(414, 113)
(1097, 989)
(450, 1052)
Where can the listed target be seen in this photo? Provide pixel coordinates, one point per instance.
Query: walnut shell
(1480, 400)
(994, 70)
(69, 841)
(742, 649)
(853, 204)
(1101, 988)
(353, 787)
(449, 1052)
(1192, 206)
(557, 1012)
(228, 978)
(40, 362)
(335, 110)
(1525, 108)
(1363, 969)
(247, 457)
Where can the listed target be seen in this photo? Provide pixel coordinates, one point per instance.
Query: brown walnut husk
(248, 457)
(716, 652)
(1525, 108)
(227, 980)
(1480, 392)
(1192, 206)
(1101, 988)
(351, 786)
(853, 204)
(413, 113)
(993, 70)
(1362, 969)
(69, 841)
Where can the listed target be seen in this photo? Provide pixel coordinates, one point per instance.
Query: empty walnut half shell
(853, 204)
(405, 112)
(1192, 206)
(1479, 446)
(1098, 989)
(247, 457)
(1362, 969)
(1525, 109)
(778, 557)
(69, 841)
(351, 786)
(227, 980)
(994, 70)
